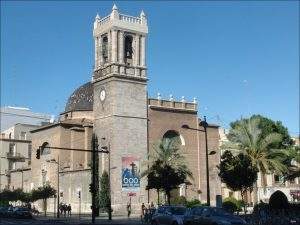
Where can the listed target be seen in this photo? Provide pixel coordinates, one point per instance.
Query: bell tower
(120, 45)
(120, 103)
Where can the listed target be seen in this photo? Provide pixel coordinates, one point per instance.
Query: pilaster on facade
(121, 46)
(114, 46)
(143, 47)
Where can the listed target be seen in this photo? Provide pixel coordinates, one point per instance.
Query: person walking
(69, 208)
(65, 209)
(143, 208)
(128, 209)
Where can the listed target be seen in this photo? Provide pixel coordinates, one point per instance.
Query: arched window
(45, 149)
(174, 136)
(128, 47)
(105, 48)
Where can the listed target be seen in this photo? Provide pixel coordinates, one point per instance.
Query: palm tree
(166, 164)
(293, 162)
(246, 138)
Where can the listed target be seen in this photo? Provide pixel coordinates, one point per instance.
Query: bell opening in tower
(105, 48)
(128, 50)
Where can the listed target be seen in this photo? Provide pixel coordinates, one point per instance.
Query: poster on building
(130, 173)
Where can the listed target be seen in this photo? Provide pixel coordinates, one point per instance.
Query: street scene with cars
(150, 112)
(162, 215)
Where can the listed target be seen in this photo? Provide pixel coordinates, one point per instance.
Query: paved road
(68, 221)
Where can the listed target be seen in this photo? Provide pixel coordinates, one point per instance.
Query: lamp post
(204, 124)
(57, 163)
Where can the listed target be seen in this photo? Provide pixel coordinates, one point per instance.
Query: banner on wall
(130, 173)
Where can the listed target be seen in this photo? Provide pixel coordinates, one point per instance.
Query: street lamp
(57, 163)
(204, 124)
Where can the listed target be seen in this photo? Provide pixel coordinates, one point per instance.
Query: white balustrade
(104, 20)
(126, 18)
(130, 19)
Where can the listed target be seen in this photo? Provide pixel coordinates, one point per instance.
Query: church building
(115, 107)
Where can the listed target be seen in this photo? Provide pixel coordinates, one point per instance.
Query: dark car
(168, 215)
(3, 211)
(211, 216)
(6, 211)
(20, 212)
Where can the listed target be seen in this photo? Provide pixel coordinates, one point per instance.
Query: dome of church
(81, 99)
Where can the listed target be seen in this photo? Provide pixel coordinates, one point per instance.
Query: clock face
(102, 95)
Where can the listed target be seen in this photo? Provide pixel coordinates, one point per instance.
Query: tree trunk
(255, 195)
(45, 206)
(168, 194)
(109, 213)
(243, 199)
(157, 190)
(263, 181)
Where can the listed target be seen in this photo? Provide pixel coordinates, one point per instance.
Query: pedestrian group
(65, 209)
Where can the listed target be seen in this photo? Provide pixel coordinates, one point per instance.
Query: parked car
(6, 211)
(211, 216)
(3, 211)
(20, 212)
(168, 215)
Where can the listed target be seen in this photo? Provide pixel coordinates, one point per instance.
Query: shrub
(231, 204)
(193, 203)
(178, 200)
(4, 203)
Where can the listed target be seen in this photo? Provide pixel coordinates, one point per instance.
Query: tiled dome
(81, 99)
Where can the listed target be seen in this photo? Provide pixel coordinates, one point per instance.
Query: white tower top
(116, 19)
(120, 45)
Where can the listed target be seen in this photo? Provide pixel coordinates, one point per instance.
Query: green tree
(268, 126)
(293, 162)
(26, 197)
(239, 166)
(167, 165)
(154, 178)
(11, 195)
(95, 188)
(105, 201)
(246, 137)
(43, 193)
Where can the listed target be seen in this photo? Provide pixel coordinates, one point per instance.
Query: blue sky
(238, 58)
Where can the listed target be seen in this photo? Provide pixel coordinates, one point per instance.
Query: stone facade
(120, 114)
(167, 116)
(115, 107)
(15, 151)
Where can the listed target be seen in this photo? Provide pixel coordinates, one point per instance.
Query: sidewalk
(87, 219)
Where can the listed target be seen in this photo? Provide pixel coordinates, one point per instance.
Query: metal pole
(22, 180)
(79, 203)
(207, 167)
(58, 186)
(93, 177)
(109, 214)
(54, 203)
